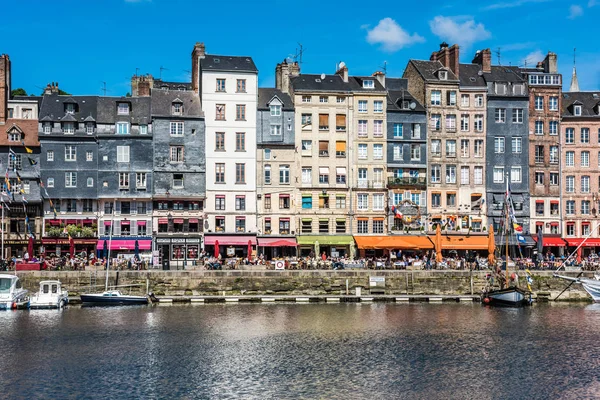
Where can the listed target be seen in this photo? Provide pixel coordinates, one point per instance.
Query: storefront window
(192, 252)
(178, 252)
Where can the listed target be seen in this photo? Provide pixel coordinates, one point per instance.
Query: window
(436, 122)
(539, 103)
(240, 224)
(570, 184)
(340, 201)
(517, 147)
(123, 154)
(585, 184)
(464, 100)
(362, 151)
(443, 75)
(478, 100)
(219, 224)
(585, 135)
(450, 173)
(515, 174)
(323, 122)
(436, 174)
(219, 173)
(284, 226)
(378, 226)
(240, 141)
(219, 141)
(219, 202)
(362, 177)
(69, 108)
(340, 225)
(553, 103)
(323, 148)
(539, 208)
(306, 201)
(570, 135)
(178, 181)
(220, 112)
(553, 127)
(363, 226)
(50, 155)
(450, 199)
(143, 131)
(539, 178)
(539, 154)
(323, 226)
(89, 156)
(340, 122)
(498, 145)
(267, 154)
(436, 147)
(50, 182)
(323, 175)
(307, 175)
(570, 209)
(15, 162)
(140, 180)
(220, 85)
(398, 128)
(415, 151)
(554, 178)
(378, 151)
(306, 99)
(275, 110)
(362, 201)
(416, 131)
(451, 122)
(377, 128)
(47, 126)
(284, 174)
(436, 97)
(362, 128)
(324, 201)
(362, 106)
(464, 122)
(306, 147)
(240, 173)
(378, 106)
(450, 148)
(498, 174)
(123, 108)
(397, 152)
(176, 108)
(464, 175)
(70, 179)
(539, 127)
(585, 159)
(122, 128)
(176, 129)
(306, 226)
(570, 159)
(478, 175)
(585, 209)
(176, 154)
(267, 171)
(436, 200)
(240, 203)
(340, 149)
(368, 84)
(240, 86)
(451, 98)
(577, 110)
(553, 154)
(500, 115)
(123, 180)
(478, 123)
(69, 127)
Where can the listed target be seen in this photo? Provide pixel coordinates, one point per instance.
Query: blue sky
(82, 44)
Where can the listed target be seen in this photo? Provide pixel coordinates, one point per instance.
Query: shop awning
(127, 244)
(590, 242)
(193, 220)
(401, 242)
(141, 223)
(333, 240)
(232, 240)
(463, 242)
(551, 241)
(277, 242)
(163, 221)
(178, 221)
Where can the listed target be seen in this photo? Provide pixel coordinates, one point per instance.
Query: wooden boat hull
(509, 297)
(100, 300)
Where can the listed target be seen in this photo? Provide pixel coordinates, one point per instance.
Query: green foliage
(72, 230)
(18, 92)
(87, 232)
(54, 232)
(128, 94)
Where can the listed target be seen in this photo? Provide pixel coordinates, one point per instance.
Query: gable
(275, 101)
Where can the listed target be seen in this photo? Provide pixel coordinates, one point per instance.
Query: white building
(228, 88)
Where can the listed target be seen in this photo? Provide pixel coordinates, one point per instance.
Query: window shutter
(340, 146)
(323, 119)
(340, 120)
(117, 228)
(118, 206)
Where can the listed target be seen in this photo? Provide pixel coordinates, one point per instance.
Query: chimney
(343, 72)
(484, 59)
(380, 77)
(551, 63)
(4, 87)
(198, 53)
(143, 89)
(448, 56)
(454, 59)
(283, 72)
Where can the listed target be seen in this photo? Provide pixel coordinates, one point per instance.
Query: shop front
(277, 247)
(61, 246)
(554, 245)
(383, 246)
(124, 247)
(463, 245)
(520, 246)
(178, 253)
(332, 246)
(18, 247)
(589, 247)
(230, 246)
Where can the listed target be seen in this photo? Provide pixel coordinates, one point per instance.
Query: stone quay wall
(296, 282)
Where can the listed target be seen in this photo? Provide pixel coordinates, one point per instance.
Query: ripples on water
(295, 351)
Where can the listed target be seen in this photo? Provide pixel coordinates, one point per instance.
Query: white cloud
(575, 11)
(511, 4)
(533, 58)
(592, 3)
(391, 36)
(462, 30)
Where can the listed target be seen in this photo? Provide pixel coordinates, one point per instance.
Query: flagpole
(2, 231)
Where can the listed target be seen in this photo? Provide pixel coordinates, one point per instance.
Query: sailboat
(507, 295)
(113, 297)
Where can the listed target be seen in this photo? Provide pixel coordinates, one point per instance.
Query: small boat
(509, 297)
(591, 285)
(50, 295)
(114, 297)
(12, 294)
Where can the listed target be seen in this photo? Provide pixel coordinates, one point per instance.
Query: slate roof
(428, 70)
(356, 84)
(314, 83)
(470, 76)
(266, 94)
(53, 107)
(139, 112)
(396, 97)
(590, 102)
(160, 84)
(228, 63)
(162, 100)
(502, 73)
(38, 99)
(396, 83)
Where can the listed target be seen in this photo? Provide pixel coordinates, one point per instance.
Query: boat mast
(112, 221)
(507, 226)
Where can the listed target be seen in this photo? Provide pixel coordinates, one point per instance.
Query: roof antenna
(498, 55)
(161, 70)
(136, 71)
(384, 67)
(104, 88)
(298, 55)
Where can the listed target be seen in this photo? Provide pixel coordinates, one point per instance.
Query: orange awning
(463, 242)
(401, 242)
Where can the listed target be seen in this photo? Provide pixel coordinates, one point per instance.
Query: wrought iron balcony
(420, 182)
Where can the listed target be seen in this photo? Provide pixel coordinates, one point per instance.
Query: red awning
(178, 221)
(128, 244)
(233, 240)
(107, 222)
(591, 242)
(54, 222)
(88, 221)
(551, 241)
(277, 242)
(141, 223)
(125, 222)
(163, 220)
(193, 220)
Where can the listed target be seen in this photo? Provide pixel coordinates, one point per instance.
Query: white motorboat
(591, 285)
(114, 297)
(50, 295)
(12, 294)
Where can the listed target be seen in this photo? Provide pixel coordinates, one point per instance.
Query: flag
(24, 200)
(521, 238)
(27, 149)
(517, 227)
(12, 153)
(32, 161)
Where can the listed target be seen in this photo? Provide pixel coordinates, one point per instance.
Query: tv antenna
(384, 68)
(136, 71)
(188, 72)
(498, 55)
(103, 88)
(161, 71)
(298, 56)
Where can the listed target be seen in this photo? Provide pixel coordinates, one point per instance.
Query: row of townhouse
(310, 164)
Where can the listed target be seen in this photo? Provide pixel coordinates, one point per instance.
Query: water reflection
(281, 351)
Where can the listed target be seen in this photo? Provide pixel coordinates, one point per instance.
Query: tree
(18, 92)
(128, 94)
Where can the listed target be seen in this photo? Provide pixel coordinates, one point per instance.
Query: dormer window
(275, 110)
(177, 108)
(577, 111)
(443, 75)
(123, 108)
(89, 128)
(14, 137)
(70, 108)
(405, 105)
(47, 127)
(68, 128)
(368, 84)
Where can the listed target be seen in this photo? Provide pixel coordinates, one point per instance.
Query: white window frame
(176, 128)
(123, 154)
(70, 179)
(50, 155)
(122, 128)
(498, 174)
(123, 108)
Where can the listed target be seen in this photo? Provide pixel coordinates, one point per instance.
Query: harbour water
(302, 351)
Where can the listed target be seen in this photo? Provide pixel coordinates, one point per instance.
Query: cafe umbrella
(249, 250)
(30, 246)
(216, 249)
(136, 251)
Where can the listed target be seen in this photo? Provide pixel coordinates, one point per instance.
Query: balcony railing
(419, 182)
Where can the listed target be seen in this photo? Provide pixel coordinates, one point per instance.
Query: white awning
(323, 170)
